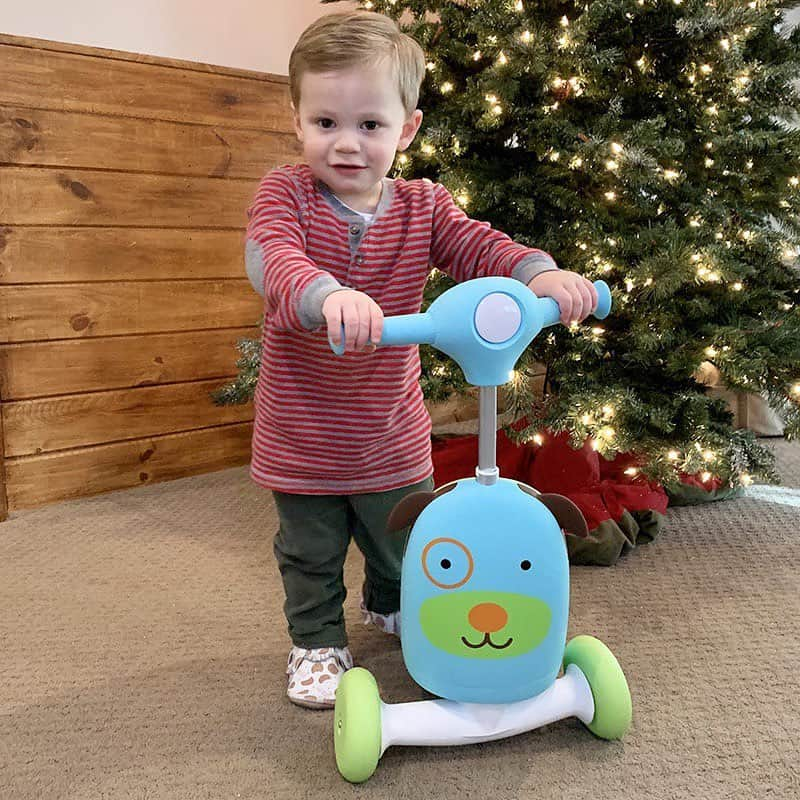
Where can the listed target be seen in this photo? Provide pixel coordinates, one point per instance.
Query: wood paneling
(43, 196)
(57, 254)
(58, 139)
(65, 310)
(69, 366)
(35, 480)
(61, 423)
(124, 185)
(62, 81)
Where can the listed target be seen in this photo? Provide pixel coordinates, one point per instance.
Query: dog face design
(485, 589)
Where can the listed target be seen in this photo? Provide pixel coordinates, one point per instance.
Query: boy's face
(351, 124)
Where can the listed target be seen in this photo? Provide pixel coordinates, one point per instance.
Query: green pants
(311, 546)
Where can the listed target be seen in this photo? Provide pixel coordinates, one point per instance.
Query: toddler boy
(333, 244)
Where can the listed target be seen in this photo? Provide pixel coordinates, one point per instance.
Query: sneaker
(388, 623)
(314, 674)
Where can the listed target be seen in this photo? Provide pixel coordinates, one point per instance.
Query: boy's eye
(325, 123)
(371, 125)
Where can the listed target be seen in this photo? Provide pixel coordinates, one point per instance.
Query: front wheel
(612, 698)
(357, 725)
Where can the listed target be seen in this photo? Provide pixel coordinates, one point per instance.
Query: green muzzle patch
(485, 624)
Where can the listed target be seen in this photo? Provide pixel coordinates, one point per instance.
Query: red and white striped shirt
(327, 424)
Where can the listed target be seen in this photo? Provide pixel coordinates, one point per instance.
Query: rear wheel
(612, 698)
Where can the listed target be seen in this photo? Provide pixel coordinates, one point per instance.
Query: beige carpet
(142, 649)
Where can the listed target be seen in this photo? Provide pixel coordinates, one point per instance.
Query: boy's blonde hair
(358, 38)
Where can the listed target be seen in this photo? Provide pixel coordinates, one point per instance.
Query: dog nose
(488, 617)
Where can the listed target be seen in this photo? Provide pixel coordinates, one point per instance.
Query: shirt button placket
(356, 231)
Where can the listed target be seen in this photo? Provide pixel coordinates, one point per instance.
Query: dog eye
(526, 565)
(447, 562)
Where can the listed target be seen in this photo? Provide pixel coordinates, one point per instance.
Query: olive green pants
(311, 546)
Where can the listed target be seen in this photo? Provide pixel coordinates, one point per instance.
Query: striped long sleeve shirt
(327, 424)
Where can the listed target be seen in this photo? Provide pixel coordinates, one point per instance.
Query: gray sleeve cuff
(533, 265)
(254, 265)
(310, 310)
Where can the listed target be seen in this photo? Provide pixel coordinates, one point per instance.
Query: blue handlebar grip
(552, 313)
(402, 329)
(603, 300)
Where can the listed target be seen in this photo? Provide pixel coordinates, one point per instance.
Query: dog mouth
(487, 640)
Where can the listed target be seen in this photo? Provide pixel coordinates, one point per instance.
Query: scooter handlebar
(484, 324)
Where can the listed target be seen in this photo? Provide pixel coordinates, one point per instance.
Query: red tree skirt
(621, 510)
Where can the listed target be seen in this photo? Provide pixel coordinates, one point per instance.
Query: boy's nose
(346, 143)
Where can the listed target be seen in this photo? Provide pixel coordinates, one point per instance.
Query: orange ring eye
(447, 563)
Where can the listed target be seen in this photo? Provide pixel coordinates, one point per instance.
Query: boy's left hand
(575, 295)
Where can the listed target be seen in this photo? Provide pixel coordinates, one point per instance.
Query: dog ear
(567, 514)
(405, 513)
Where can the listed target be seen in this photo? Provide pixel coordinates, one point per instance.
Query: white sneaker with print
(313, 675)
(389, 623)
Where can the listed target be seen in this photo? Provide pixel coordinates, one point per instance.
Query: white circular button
(497, 317)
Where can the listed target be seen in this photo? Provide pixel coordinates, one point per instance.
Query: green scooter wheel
(357, 725)
(612, 698)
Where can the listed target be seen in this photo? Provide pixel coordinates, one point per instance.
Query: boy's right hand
(360, 315)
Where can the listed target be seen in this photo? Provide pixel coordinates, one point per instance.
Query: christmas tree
(649, 143)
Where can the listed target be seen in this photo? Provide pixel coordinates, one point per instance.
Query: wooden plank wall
(124, 182)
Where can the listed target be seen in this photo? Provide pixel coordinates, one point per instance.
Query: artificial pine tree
(648, 143)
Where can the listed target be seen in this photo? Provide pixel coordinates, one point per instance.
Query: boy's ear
(296, 119)
(409, 131)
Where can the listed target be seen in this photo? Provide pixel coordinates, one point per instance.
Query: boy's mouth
(347, 167)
